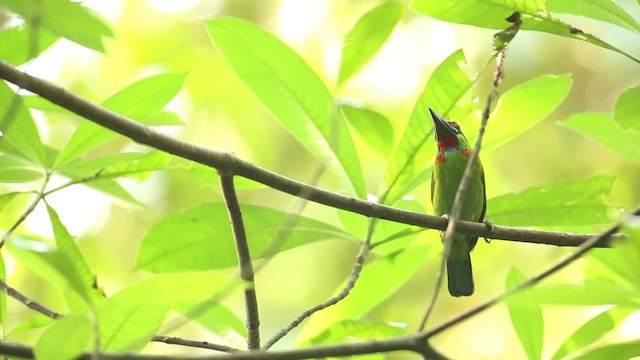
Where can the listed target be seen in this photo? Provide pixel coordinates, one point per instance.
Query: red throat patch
(449, 142)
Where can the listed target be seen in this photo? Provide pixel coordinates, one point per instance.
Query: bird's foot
(490, 227)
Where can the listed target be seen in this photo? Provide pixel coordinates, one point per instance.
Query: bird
(453, 153)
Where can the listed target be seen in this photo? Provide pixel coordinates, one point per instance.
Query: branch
(244, 260)
(225, 161)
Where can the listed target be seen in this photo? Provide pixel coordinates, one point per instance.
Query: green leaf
(65, 339)
(606, 131)
(83, 280)
(115, 190)
(386, 275)
(619, 351)
(350, 330)
(593, 293)
(407, 168)
(64, 18)
(526, 319)
(14, 169)
(593, 330)
(605, 10)
(492, 14)
(626, 112)
(129, 326)
(374, 127)
(523, 106)
(141, 101)
(624, 258)
(216, 318)
(17, 46)
(200, 238)
(117, 165)
(575, 202)
(293, 93)
(3, 298)
(19, 134)
(6, 198)
(367, 37)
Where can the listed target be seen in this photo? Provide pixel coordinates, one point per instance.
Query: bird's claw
(490, 227)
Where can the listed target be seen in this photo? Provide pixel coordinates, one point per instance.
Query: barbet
(452, 158)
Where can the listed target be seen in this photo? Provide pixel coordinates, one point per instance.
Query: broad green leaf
(129, 326)
(141, 101)
(593, 293)
(216, 318)
(386, 275)
(65, 339)
(17, 46)
(19, 135)
(526, 319)
(293, 93)
(618, 351)
(349, 330)
(200, 237)
(57, 267)
(605, 10)
(606, 131)
(575, 202)
(492, 14)
(523, 106)
(374, 127)
(65, 18)
(367, 37)
(409, 164)
(626, 112)
(115, 190)
(136, 165)
(14, 169)
(83, 280)
(593, 330)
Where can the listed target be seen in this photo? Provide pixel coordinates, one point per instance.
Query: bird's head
(448, 136)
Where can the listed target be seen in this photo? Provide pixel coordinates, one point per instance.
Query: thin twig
(456, 209)
(353, 277)
(172, 340)
(28, 302)
(244, 260)
(581, 250)
(230, 162)
(39, 196)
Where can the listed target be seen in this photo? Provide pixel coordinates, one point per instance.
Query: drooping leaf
(114, 189)
(14, 169)
(606, 131)
(293, 93)
(367, 37)
(593, 330)
(66, 339)
(526, 319)
(605, 10)
(523, 106)
(386, 275)
(65, 18)
(200, 238)
(141, 101)
(626, 112)
(492, 14)
(374, 127)
(407, 167)
(575, 202)
(17, 46)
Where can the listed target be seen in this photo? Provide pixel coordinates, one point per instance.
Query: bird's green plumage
(448, 169)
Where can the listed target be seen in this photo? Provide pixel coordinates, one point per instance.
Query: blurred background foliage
(219, 111)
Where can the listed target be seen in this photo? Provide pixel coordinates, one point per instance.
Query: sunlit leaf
(200, 238)
(216, 318)
(115, 190)
(606, 131)
(367, 37)
(409, 164)
(593, 330)
(605, 10)
(14, 169)
(65, 18)
(626, 112)
(141, 101)
(593, 293)
(492, 14)
(17, 46)
(576, 202)
(117, 165)
(65, 339)
(352, 330)
(294, 94)
(622, 350)
(386, 275)
(374, 127)
(526, 319)
(523, 106)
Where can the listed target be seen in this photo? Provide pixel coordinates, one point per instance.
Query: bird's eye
(455, 126)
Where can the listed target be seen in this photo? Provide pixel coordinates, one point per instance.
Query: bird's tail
(460, 276)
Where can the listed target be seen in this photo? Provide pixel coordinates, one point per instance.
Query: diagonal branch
(226, 161)
(244, 260)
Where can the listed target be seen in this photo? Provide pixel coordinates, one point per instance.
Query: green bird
(452, 158)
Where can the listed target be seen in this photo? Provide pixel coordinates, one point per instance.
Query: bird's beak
(441, 126)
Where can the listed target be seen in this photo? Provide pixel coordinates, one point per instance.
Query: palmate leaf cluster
(185, 256)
